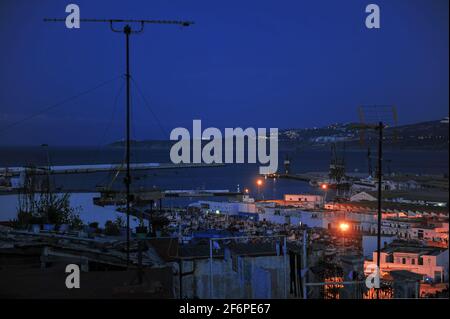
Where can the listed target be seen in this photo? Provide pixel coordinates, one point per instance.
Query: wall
(229, 283)
(427, 269)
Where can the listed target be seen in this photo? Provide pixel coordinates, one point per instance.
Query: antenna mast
(127, 30)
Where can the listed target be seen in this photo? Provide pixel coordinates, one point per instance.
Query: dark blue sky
(299, 63)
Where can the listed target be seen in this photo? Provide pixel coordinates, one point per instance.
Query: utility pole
(382, 114)
(380, 180)
(379, 174)
(127, 30)
(48, 194)
(304, 269)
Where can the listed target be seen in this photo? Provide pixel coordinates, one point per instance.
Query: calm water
(228, 177)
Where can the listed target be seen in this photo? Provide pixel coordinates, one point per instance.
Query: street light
(259, 183)
(344, 227)
(324, 187)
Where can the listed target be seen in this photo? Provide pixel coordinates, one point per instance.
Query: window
(420, 234)
(403, 261)
(420, 261)
(390, 258)
(413, 261)
(437, 276)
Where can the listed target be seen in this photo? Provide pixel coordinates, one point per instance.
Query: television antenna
(127, 31)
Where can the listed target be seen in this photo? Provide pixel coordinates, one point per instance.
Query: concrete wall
(238, 283)
(443, 260)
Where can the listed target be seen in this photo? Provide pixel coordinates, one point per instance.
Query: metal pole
(380, 177)
(180, 269)
(127, 31)
(305, 264)
(285, 268)
(211, 286)
(150, 225)
(47, 184)
(140, 270)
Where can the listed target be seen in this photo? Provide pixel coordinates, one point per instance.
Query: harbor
(228, 157)
(174, 229)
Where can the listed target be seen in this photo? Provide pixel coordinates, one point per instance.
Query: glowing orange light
(259, 182)
(344, 227)
(246, 190)
(324, 186)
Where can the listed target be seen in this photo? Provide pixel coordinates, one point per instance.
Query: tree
(50, 208)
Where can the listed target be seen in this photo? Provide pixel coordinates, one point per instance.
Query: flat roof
(397, 206)
(419, 194)
(414, 249)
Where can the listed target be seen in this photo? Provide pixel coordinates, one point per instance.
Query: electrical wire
(147, 104)
(55, 105)
(109, 124)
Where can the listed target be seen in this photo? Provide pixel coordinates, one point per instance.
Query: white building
(293, 216)
(431, 263)
(431, 233)
(306, 201)
(229, 208)
(362, 196)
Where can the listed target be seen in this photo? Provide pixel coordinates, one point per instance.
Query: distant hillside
(150, 144)
(432, 135)
(424, 135)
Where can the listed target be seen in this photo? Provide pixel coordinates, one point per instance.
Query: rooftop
(402, 247)
(405, 275)
(372, 205)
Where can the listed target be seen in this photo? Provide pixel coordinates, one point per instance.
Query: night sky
(285, 64)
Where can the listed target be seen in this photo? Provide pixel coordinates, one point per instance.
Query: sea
(230, 177)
